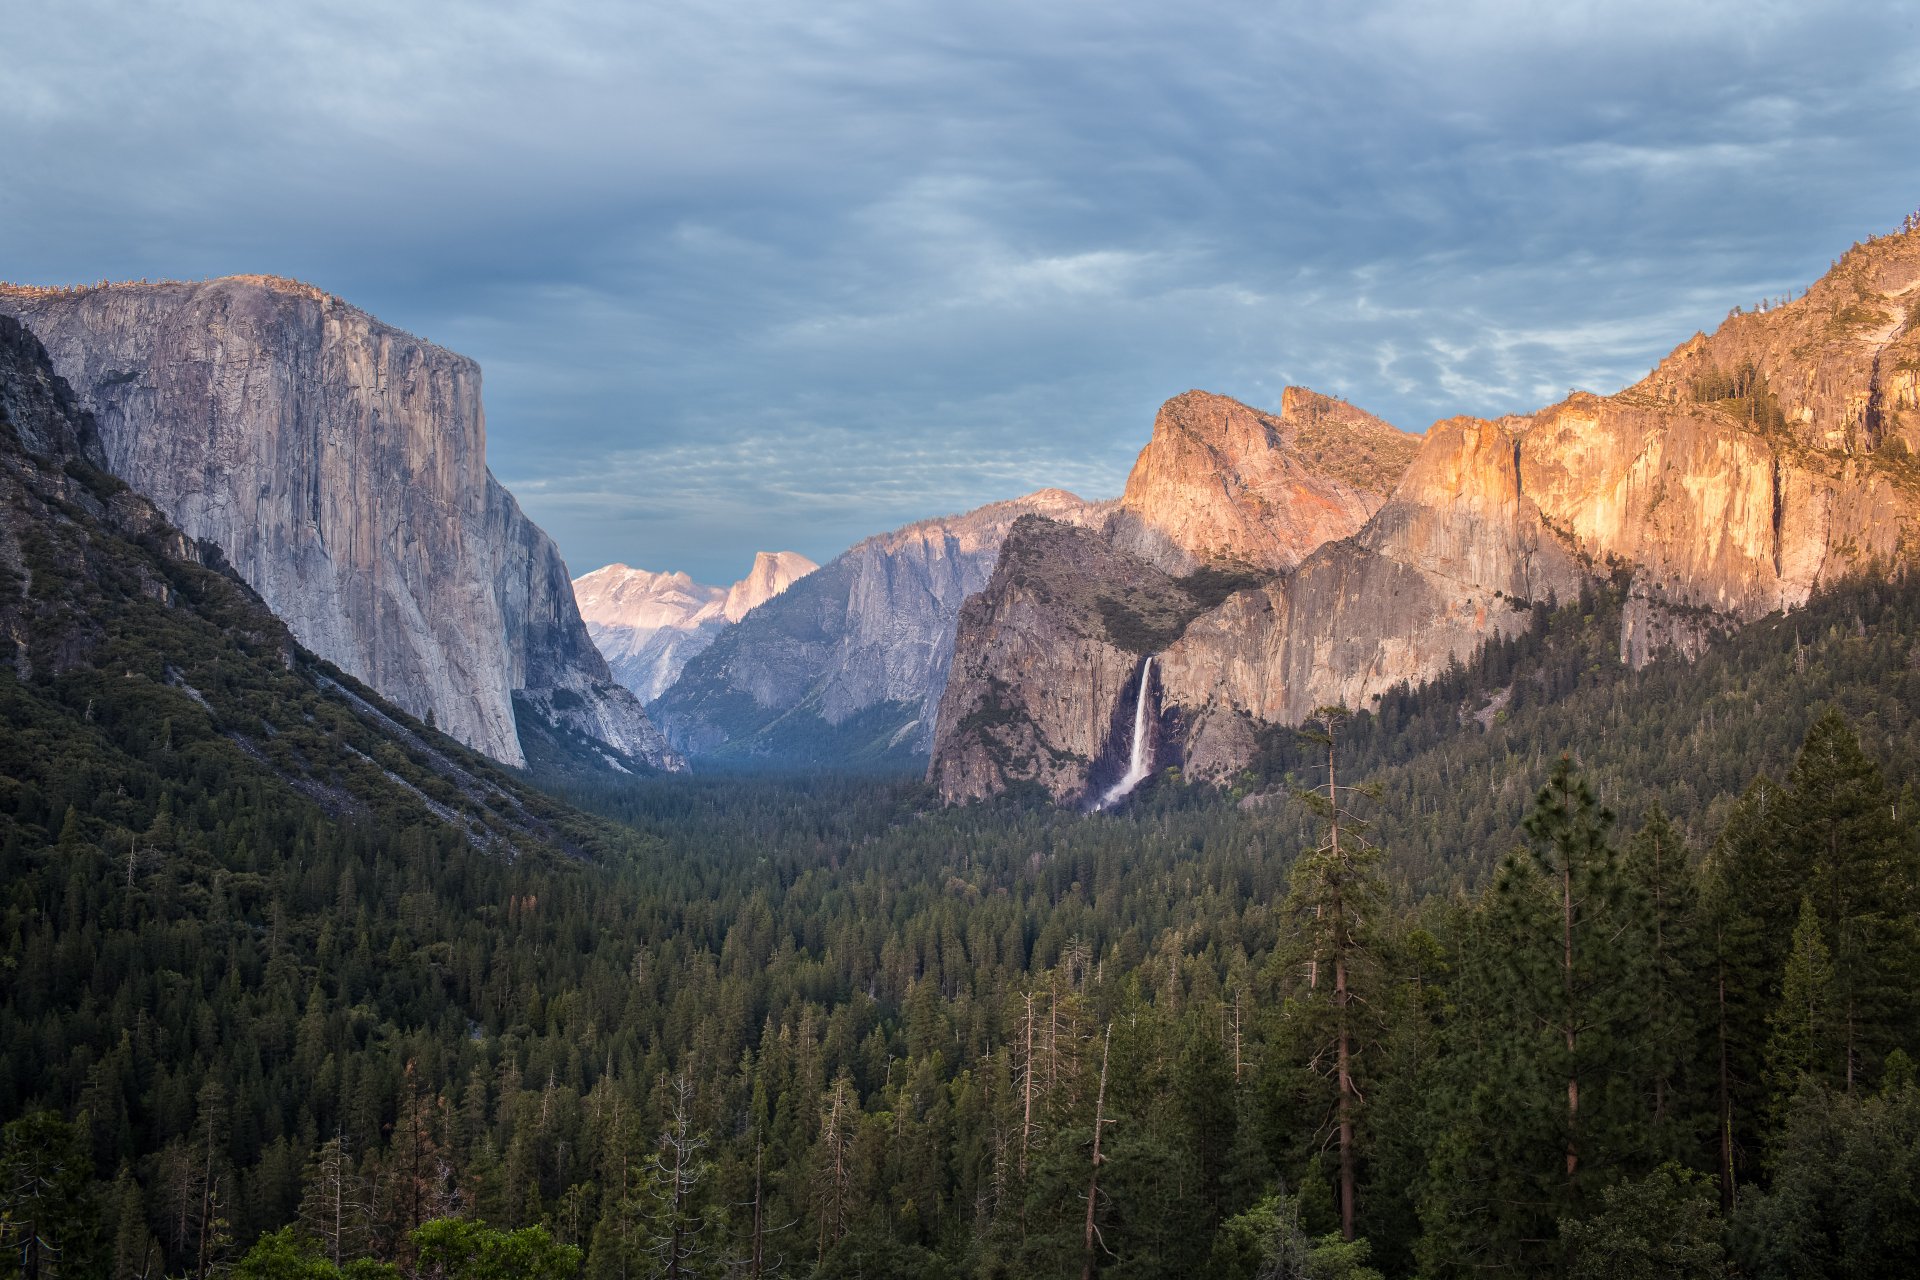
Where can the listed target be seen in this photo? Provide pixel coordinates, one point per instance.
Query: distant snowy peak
(621, 596)
(650, 624)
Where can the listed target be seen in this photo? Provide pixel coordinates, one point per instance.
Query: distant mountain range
(650, 625)
(1278, 561)
(1269, 561)
(846, 666)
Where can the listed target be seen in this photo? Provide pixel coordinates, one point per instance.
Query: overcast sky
(779, 275)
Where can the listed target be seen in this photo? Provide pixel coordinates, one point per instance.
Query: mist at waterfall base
(1140, 762)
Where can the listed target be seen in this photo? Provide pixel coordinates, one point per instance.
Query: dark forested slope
(211, 841)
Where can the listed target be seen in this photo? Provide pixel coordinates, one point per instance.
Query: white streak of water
(1140, 764)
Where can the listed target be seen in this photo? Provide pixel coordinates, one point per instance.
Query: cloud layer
(751, 274)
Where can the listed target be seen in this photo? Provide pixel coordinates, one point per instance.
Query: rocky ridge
(650, 625)
(340, 465)
(847, 665)
(1750, 467)
(1219, 482)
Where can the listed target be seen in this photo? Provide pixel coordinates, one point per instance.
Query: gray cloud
(753, 274)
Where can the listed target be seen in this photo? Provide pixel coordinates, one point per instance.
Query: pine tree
(49, 1222)
(1540, 1056)
(335, 1208)
(833, 1163)
(1746, 881)
(1569, 830)
(674, 1222)
(1859, 868)
(136, 1254)
(418, 1176)
(1665, 1029)
(1336, 897)
(1805, 1045)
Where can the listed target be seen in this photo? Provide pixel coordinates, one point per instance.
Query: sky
(763, 275)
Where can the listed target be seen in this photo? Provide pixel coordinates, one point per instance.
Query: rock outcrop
(848, 664)
(1746, 470)
(135, 652)
(1047, 661)
(650, 625)
(772, 573)
(340, 465)
(1223, 483)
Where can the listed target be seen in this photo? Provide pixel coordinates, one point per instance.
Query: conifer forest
(1621, 982)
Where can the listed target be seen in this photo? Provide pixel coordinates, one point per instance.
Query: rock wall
(869, 633)
(1222, 482)
(1746, 470)
(1046, 662)
(340, 464)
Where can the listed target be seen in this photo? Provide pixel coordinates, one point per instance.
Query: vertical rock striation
(340, 465)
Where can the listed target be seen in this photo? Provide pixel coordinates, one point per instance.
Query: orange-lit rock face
(1746, 470)
(1222, 482)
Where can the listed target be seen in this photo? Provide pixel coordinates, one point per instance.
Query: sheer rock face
(870, 632)
(340, 465)
(772, 573)
(650, 625)
(1047, 661)
(1746, 470)
(1221, 482)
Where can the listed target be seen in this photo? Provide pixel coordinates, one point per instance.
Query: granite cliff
(650, 625)
(1747, 469)
(1220, 482)
(1223, 500)
(847, 665)
(137, 669)
(340, 465)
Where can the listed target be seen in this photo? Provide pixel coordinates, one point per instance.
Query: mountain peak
(1837, 368)
(772, 573)
(1222, 481)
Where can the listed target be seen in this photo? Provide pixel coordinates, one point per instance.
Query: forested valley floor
(819, 1026)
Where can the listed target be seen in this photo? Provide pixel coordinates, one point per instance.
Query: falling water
(1141, 762)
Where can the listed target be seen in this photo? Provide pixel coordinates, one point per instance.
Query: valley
(1348, 851)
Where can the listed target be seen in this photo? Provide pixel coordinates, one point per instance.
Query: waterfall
(1140, 763)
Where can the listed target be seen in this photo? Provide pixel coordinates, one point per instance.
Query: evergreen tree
(1805, 1047)
(833, 1164)
(1541, 1054)
(1336, 896)
(1746, 880)
(49, 1218)
(335, 1208)
(1665, 1029)
(1845, 1199)
(1587, 997)
(674, 1222)
(1842, 827)
(1665, 1226)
